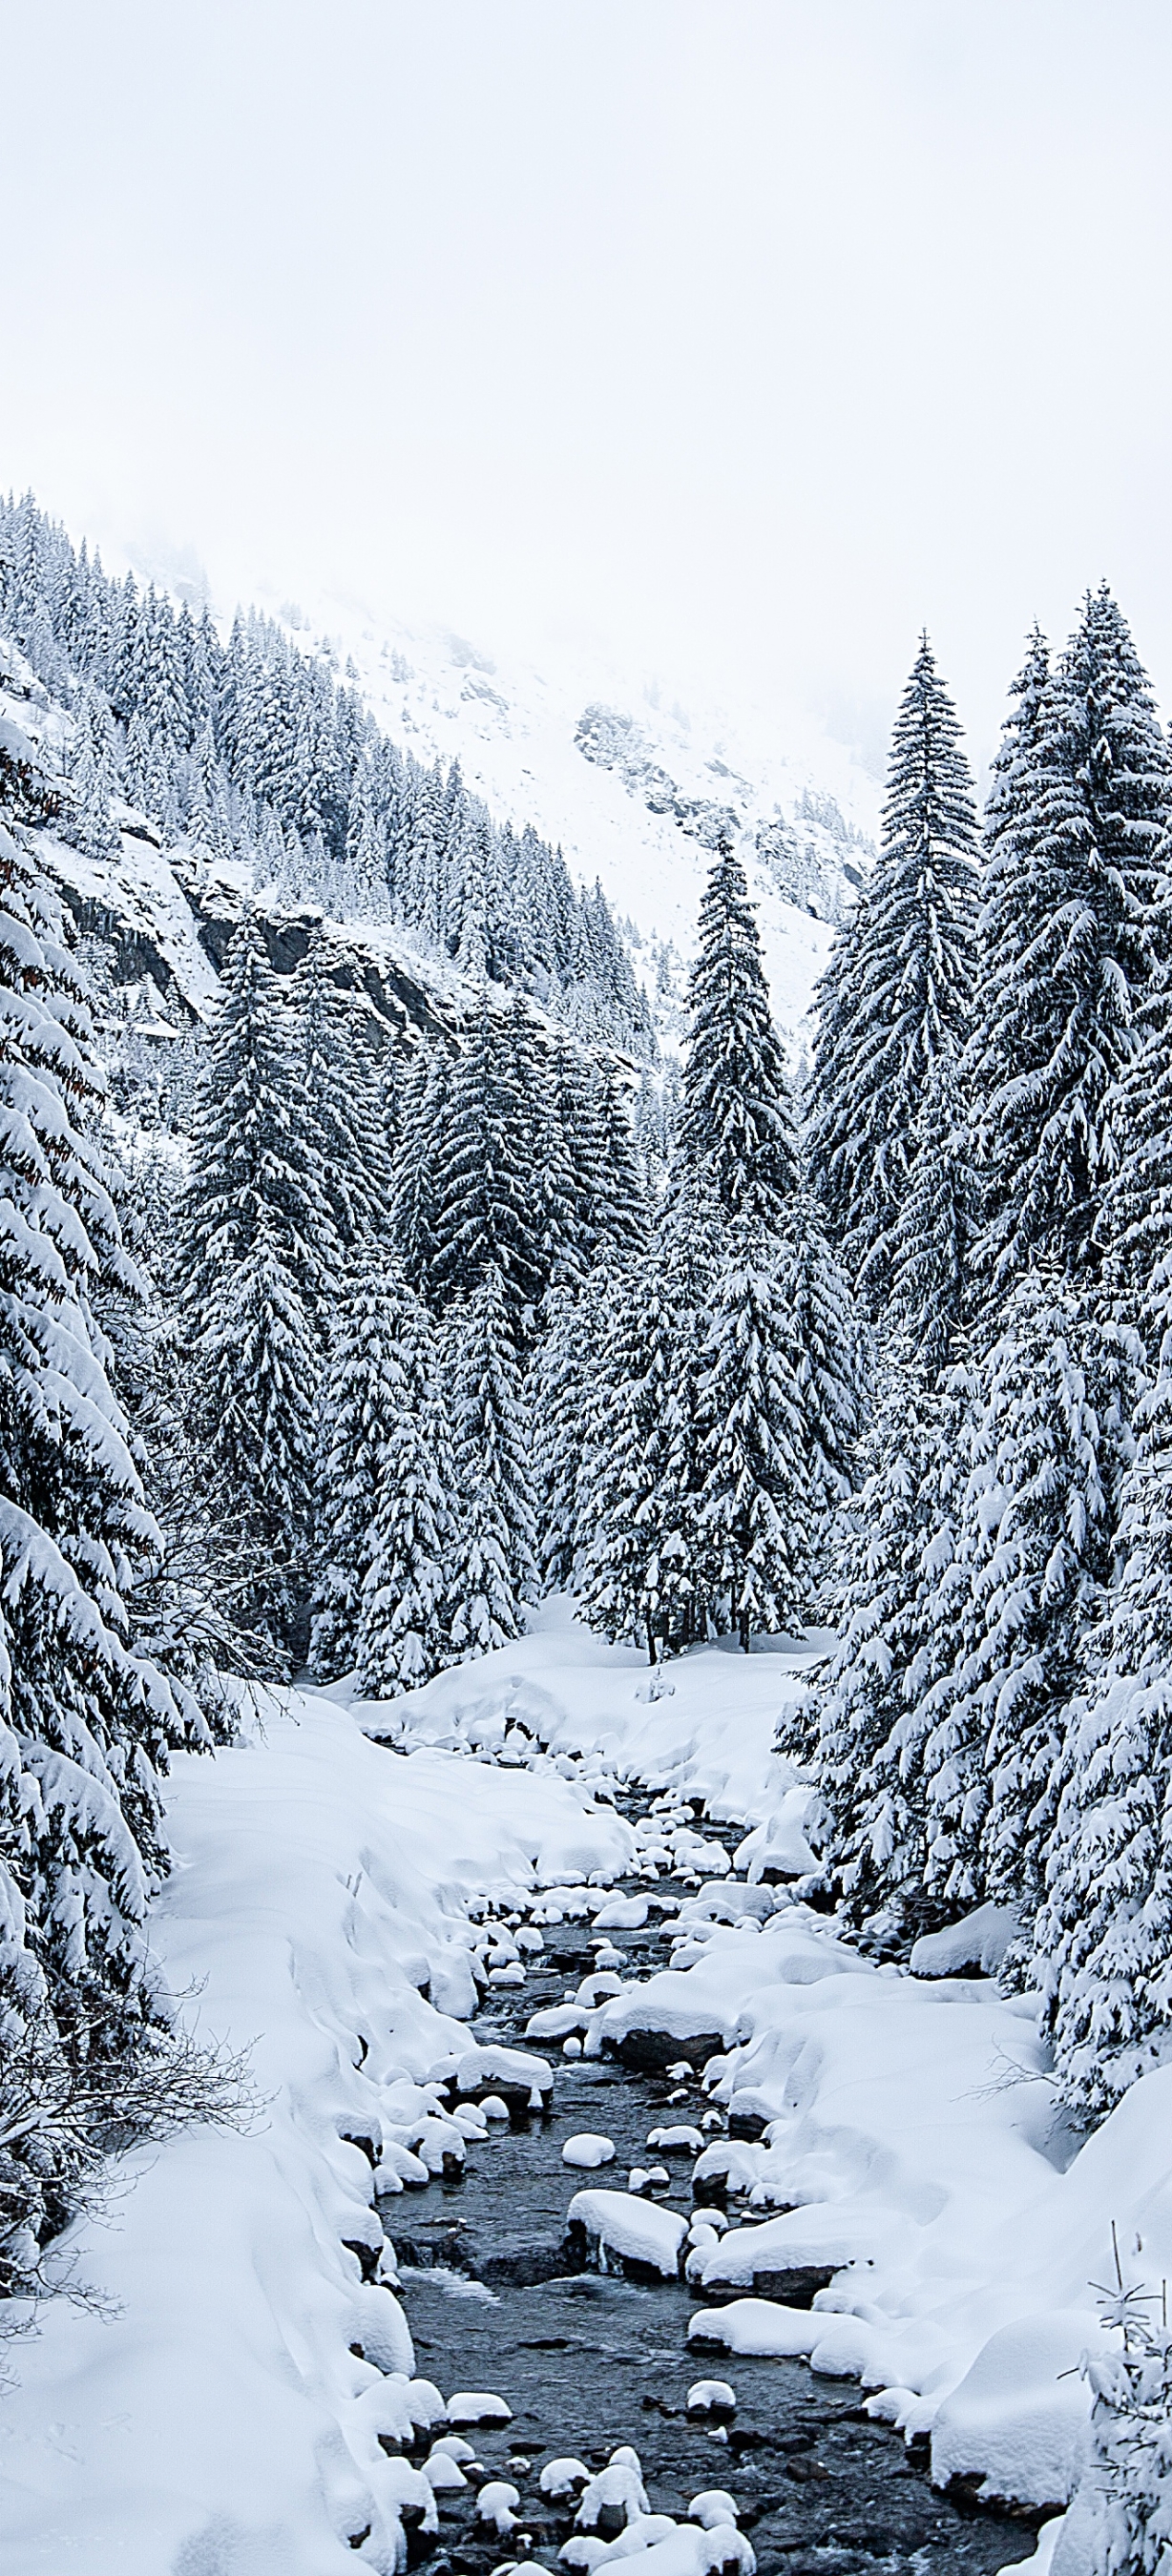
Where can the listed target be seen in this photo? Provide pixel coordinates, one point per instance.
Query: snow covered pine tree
(898, 990)
(85, 1725)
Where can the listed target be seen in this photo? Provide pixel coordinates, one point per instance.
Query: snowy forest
(342, 1348)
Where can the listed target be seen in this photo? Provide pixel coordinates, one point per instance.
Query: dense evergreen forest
(382, 1340)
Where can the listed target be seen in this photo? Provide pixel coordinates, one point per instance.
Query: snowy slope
(634, 789)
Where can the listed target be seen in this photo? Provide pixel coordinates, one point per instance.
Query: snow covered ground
(209, 2412)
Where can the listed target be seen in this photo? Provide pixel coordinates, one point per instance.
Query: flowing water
(587, 2360)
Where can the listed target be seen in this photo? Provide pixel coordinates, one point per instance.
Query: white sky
(737, 333)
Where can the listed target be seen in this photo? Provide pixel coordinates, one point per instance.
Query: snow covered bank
(213, 2412)
(705, 1724)
(906, 2141)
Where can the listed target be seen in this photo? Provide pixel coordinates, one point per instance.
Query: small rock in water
(615, 2497)
(493, 2107)
(712, 2397)
(714, 2506)
(571, 2047)
(478, 2406)
(680, 2073)
(496, 2503)
(588, 2150)
(443, 2472)
(624, 1914)
(456, 2448)
(561, 2478)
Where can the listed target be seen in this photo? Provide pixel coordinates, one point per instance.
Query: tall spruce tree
(754, 1506)
(898, 990)
(897, 1549)
(1052, 1392)
(493, 1568)
(1104, 1933)
(830, 1356)
(402, 1633)
(259, 1249)
(643, 1568)
(85, 1723)
(483, 1215)
(932, 1290)
(736, 1133)
(347, 1100)
(1067, 954)
(360, 1401)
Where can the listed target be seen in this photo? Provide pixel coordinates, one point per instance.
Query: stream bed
(590, 2360)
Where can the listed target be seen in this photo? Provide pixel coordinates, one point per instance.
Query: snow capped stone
(588, 2150)
(631, 2229)
(713, 2507)
(497, 2503)
(711, 2397)
(624, 1914)
(443, 2472)
(560, 2478)
(478, 2406)
(616, 2495)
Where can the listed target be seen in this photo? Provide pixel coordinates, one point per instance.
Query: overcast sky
(735, 333)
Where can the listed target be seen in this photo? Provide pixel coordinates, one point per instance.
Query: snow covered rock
(497, 2503)
(678, 2141)
(980, 1941)
(713, 2507)
(792, 2256)
(588, 2150)
(399, 2168)
(598, 1988)
(506, 2073)
(478, 2406)
(562, 2478)
(632, 2231)
(425, 2404)
(623, 1914)
(778, 1848)
(443, 2473)
(1017, 2421)
(711, 2397)
(615, 2497)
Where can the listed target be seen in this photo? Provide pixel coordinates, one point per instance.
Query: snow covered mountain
(443, 807)
(633, 787)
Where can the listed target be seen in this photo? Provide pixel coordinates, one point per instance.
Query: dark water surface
(587, 2361)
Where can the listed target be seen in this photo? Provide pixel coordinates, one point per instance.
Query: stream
(589, 2360)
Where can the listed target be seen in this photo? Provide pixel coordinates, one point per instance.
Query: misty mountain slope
(156, 922)
(635, 792)
(452, 816)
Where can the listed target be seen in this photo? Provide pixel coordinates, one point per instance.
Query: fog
(738, 340)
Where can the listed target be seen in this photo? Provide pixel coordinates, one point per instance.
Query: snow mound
(623, 1914)
(711, 2397)
(588, 2150)
(478, 2406)
(1019, 2415)
(980, 1941)
(634, 2230)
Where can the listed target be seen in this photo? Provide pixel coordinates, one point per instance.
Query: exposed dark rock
(650, 2052)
